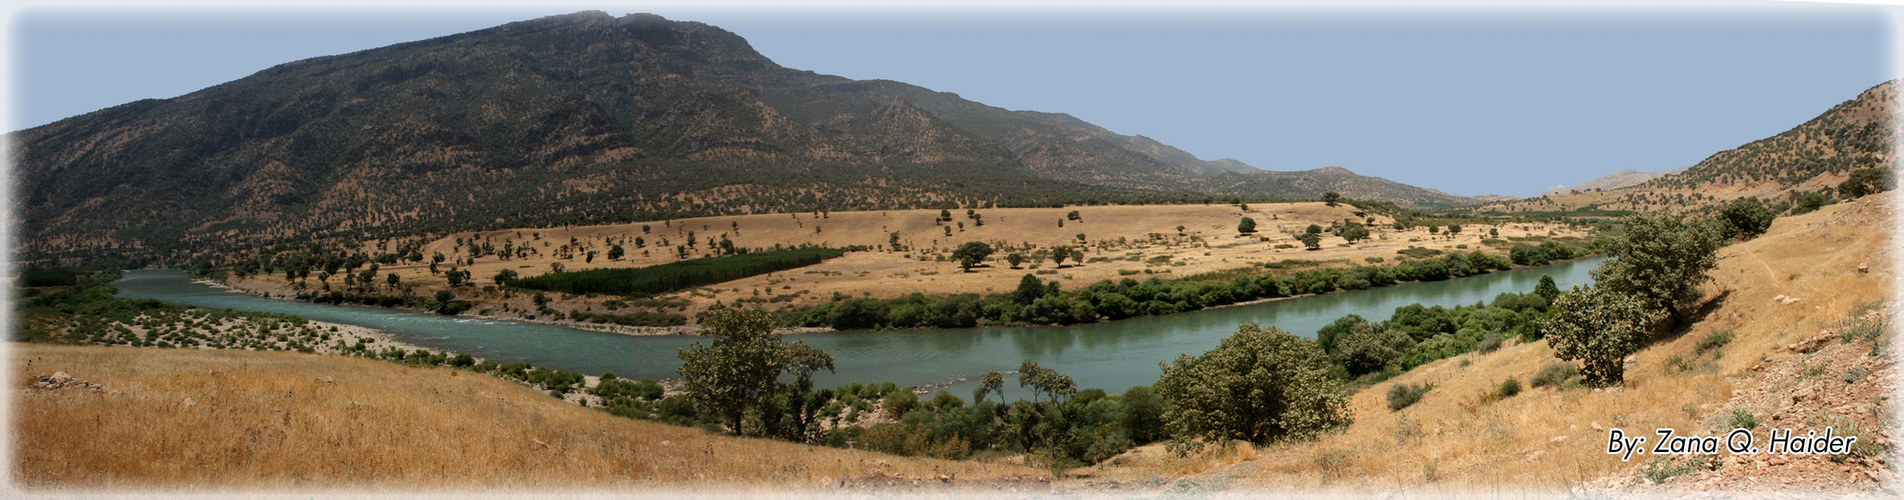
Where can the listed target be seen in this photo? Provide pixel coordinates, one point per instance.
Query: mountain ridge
(572, 119)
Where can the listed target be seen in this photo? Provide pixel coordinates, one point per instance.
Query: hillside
(574, 119)
(1623, 178)
(238, 420)
(1796, 334)
(1814, 156)
(1118, 241)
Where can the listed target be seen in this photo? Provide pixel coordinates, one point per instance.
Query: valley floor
(1794, 333)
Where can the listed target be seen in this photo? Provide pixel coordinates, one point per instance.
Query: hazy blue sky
(1466, 101)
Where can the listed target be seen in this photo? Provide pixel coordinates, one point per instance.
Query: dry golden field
(1120, 241)
(1551, 440)
(201, 421)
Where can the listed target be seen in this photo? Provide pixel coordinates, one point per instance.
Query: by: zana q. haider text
(1738, 442)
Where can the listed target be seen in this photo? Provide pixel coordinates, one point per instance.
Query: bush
(1402, 395)
(1554, 374)
(1491, 343)
(1714, 340)
(1369, 348)
(1257, 385)
(1600, 328)
(1740, 419)
(1509, 388)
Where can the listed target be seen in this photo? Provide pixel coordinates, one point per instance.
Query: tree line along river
(1111, 355)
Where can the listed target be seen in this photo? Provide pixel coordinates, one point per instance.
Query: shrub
(1402, 395)
(1369, 348)
(1257, 385)
(1714, 340)
(1554, 374)
(1491, 343)
(1600, 328)
(1509, 388)
(1740, 419)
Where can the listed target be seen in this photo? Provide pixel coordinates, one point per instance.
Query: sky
(1467, 100)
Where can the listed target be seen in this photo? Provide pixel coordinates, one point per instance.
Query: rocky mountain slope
(1623, 178)
(574, 119)
(1814, 156)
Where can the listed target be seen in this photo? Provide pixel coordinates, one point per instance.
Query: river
(1109, 355)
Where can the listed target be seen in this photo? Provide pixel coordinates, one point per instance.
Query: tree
(992, 382)
(1454, 229)
(1331, 197)
(1046, 381)
(1058, 255)
(503, 277)
(945, 215)
(1180, 230)
(615, 252)
(1015, 259)
(741, 369)
(393, 279)
(1248, 225)
(1660, 260)
(1744, 218)
(1371, 348)
(1029, 289)
(1599, 327)
(1354, 232)
(971, 253)
(1547, 290)
(1310, 240)
(1867, 181)
(1073, 215)
(1257, 385)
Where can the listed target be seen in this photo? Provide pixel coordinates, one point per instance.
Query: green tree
(1745, 218)
(741, 369)
(1029, 289)
(1371, 348)
(1599, 327)
(1248, 225)
(1046, 381)
(615, 252)
(1454, 229)
(1661, 260)
(1547, 290)
(1258, 385)
(971, 253)
(1311, 240)
(503, 277)
(1015, 259)
(1313, 229)
(1331, 198)
(1867, 181)
(993, 382)
(1354, 232)
(1058, 254)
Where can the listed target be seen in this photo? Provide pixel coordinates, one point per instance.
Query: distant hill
(1336, 179)
(1623, 178)
(1813, 156)
(1855, 134)
(575, 119)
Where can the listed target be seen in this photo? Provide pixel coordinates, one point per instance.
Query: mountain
(575, 119)
(1623, 178)
(1855, 134)
(1813, 156)
(1336, 179)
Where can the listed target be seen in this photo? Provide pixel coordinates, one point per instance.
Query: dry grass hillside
(196, 421)
(1812, 278)
(1119, 241)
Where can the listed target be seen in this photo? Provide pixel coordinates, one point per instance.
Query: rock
(327, 380)
(1864, 268)
(666, 443)
(1596, 426)
(61, 376)
(189, 402)
(1557, 439)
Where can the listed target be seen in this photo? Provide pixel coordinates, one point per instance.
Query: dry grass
(286, 420)
(1209, 243)
(1454, 439)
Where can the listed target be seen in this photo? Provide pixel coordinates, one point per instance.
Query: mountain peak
(1333, 170)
